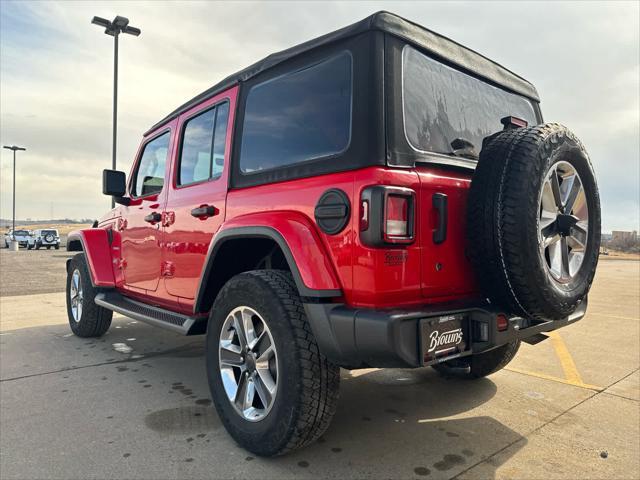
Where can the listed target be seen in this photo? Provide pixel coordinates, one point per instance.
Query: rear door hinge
(122, 224)
(167, 269)
(168, 218)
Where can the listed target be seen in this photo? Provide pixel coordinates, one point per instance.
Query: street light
(115, 28)
(13, 228)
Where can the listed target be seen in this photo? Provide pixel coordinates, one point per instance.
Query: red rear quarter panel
(324, 260)
(309, 252)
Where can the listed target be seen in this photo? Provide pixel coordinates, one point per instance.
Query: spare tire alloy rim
(248, 363)
(49, 238)
(563, 224)
(75, 295)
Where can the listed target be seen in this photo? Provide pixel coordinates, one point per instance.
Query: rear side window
(300, 116)
(149, 176)
(441, 104)
(203, 144)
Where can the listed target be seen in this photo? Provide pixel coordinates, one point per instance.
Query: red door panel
(140, 228)
(141, 254)
(187, 230)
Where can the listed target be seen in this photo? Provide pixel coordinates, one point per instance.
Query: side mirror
(114, 183)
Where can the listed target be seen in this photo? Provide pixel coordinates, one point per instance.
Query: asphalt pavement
(87, 408)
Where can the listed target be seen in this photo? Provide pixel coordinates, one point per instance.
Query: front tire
(86, 319)
(481, 364)
(303, 393)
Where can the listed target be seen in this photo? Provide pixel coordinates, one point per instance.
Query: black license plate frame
(444, 338)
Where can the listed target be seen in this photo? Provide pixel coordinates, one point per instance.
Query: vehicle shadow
(396, 423)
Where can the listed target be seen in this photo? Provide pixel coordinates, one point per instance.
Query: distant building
(619, 236)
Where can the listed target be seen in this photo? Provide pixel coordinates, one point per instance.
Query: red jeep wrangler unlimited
(380, 196)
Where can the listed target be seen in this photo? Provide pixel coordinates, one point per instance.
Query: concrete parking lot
(78, 408)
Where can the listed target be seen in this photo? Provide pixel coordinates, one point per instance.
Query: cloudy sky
(56, 79)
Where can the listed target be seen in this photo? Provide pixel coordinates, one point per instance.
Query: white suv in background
(45, 238)
(23, 237)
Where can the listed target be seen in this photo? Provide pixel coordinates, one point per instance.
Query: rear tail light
(387, 215)
(396, 218)
(502, 322)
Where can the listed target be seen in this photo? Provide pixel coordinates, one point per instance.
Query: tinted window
(219, 139)
(195, 158)
(300, 116)
(442, 104)
(21, 232)
(202, 154)
(149, 176)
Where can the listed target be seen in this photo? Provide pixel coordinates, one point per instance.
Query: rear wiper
(464, 148)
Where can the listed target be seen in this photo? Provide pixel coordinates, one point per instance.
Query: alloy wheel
(75, 295)
(563, 224)
(248, 363)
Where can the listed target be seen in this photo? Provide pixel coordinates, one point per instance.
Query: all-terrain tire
(308, 384)
(503, 219)
(481, 364)
(94, 320)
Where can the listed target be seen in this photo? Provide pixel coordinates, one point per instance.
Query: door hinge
(167, 269)
(168, 218)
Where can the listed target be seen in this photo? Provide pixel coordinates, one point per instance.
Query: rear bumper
(357, 338)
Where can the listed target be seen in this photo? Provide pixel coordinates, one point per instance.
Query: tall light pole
(13, 228)
(114, 28)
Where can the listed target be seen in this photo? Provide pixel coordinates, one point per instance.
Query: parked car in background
(21, 236)
(45, 238)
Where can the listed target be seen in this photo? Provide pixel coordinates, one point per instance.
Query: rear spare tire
(534, 221)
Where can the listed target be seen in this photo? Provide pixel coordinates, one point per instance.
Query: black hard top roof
(413, 33)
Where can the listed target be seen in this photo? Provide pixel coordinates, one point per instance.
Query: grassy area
(616, 255)
(63, 228)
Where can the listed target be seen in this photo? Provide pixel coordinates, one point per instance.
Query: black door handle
(204, 211)
(440, 204)
(153, 217)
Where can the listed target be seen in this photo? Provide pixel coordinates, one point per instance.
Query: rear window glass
(301, 116)
(441, 104)
(202, 154)
(47, 232)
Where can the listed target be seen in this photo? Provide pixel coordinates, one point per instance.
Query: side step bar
(156, 316)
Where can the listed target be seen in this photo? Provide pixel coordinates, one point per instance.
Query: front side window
(149, 177)
(442, 104)
(300, 116)
(203, 144)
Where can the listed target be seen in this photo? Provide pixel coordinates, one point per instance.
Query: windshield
(442, 104)
(21, 232)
